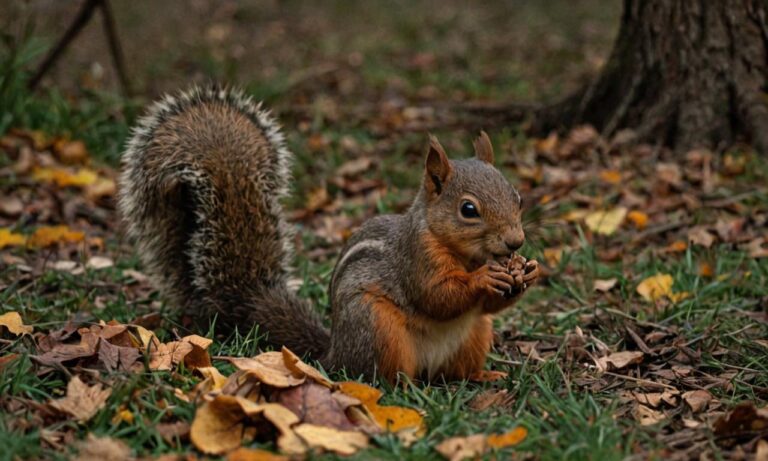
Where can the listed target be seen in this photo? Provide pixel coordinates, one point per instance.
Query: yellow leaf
(102, 187)
(82, 401)
(254, 454)
(124, 415)
(507, 439)
(553, 255)
(12, 321)
(63, 178)
(294, 363)
(269, 368)
(638, 218)
(611, 176)
(8, 238)
(330, 439)
(218, 425)
(391, 418)
(605, 222)
(677, 297)
(655, 287)
(50, 235)
(575, 215)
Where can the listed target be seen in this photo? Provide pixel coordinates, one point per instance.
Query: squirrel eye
(469, 210)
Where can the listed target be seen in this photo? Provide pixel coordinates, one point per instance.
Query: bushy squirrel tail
(201, 181)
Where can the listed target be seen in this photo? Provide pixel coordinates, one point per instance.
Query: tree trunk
(686, 73)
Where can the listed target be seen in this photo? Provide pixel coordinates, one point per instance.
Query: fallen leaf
(7, 359)
(743, 420)
(390, 418)
(8, 238)
(754, 248)
(218, 425)
(103, 448)
(294, 363)
(12, 321)
(619, 360)
(269, 368)
(252, 454)
(697, 399)
(605, 222)
(647, 416)
(460, 448)
(11, 206)
(82, 401)
(706, 270)
(355, 167)
(761, 451)
(604, 285)
(330, 439)
(124, 415)
(101, 188)
(611, 176)
(64, 177)
(508, 439)
(655, 287)
(553, 256)
(701, 236)
(678, 246)
(315, 405)
(99, 262)
(70, 152)
(638, 218)
(51, 235)
(491, 398)
(170, 432)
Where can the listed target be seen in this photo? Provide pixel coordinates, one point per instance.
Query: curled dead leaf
(82, 401)
(697, 399)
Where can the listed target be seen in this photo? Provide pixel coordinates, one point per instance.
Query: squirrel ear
(484, 148)
(437, 168)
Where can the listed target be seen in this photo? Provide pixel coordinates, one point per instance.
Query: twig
(82, 18)
(114, 46)
(639, 380)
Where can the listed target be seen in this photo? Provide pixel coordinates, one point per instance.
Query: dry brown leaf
(491, 398)
(11, 206)
(70, 152)
(655, 287)
(99, 262)
(459, 448)
(12, 321)
(761, 450)
(701, 236)
(745, 418)
(619, 360)
(283, 419)
(604, 285)
(269, 368)
(647, 416)
(329, 439)
(117, 357)
(315, 404)
(82, 401)
(754, 248)
(103, 448)
(697, 399)
(252, 454)
(299, 368)
(170, 432)
(218, 425)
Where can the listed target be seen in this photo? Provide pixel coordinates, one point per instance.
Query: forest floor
(647, 337)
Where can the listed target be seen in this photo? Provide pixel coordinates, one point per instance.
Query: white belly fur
(437, 343)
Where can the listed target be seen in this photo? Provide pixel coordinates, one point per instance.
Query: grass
(568, 412)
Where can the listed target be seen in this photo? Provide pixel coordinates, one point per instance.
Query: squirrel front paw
(494, 278)
(524, 272)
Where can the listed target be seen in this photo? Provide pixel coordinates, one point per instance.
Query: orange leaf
(8, 238)
(638, 218)
(50, 235)
(611, 176)
(507, 439)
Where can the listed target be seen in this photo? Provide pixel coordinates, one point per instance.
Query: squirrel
(200, 188)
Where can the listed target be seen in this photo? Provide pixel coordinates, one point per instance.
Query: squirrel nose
(514, 240)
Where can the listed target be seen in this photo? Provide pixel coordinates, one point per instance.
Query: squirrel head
(469, 206)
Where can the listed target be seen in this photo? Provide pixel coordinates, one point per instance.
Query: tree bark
(685, 73)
